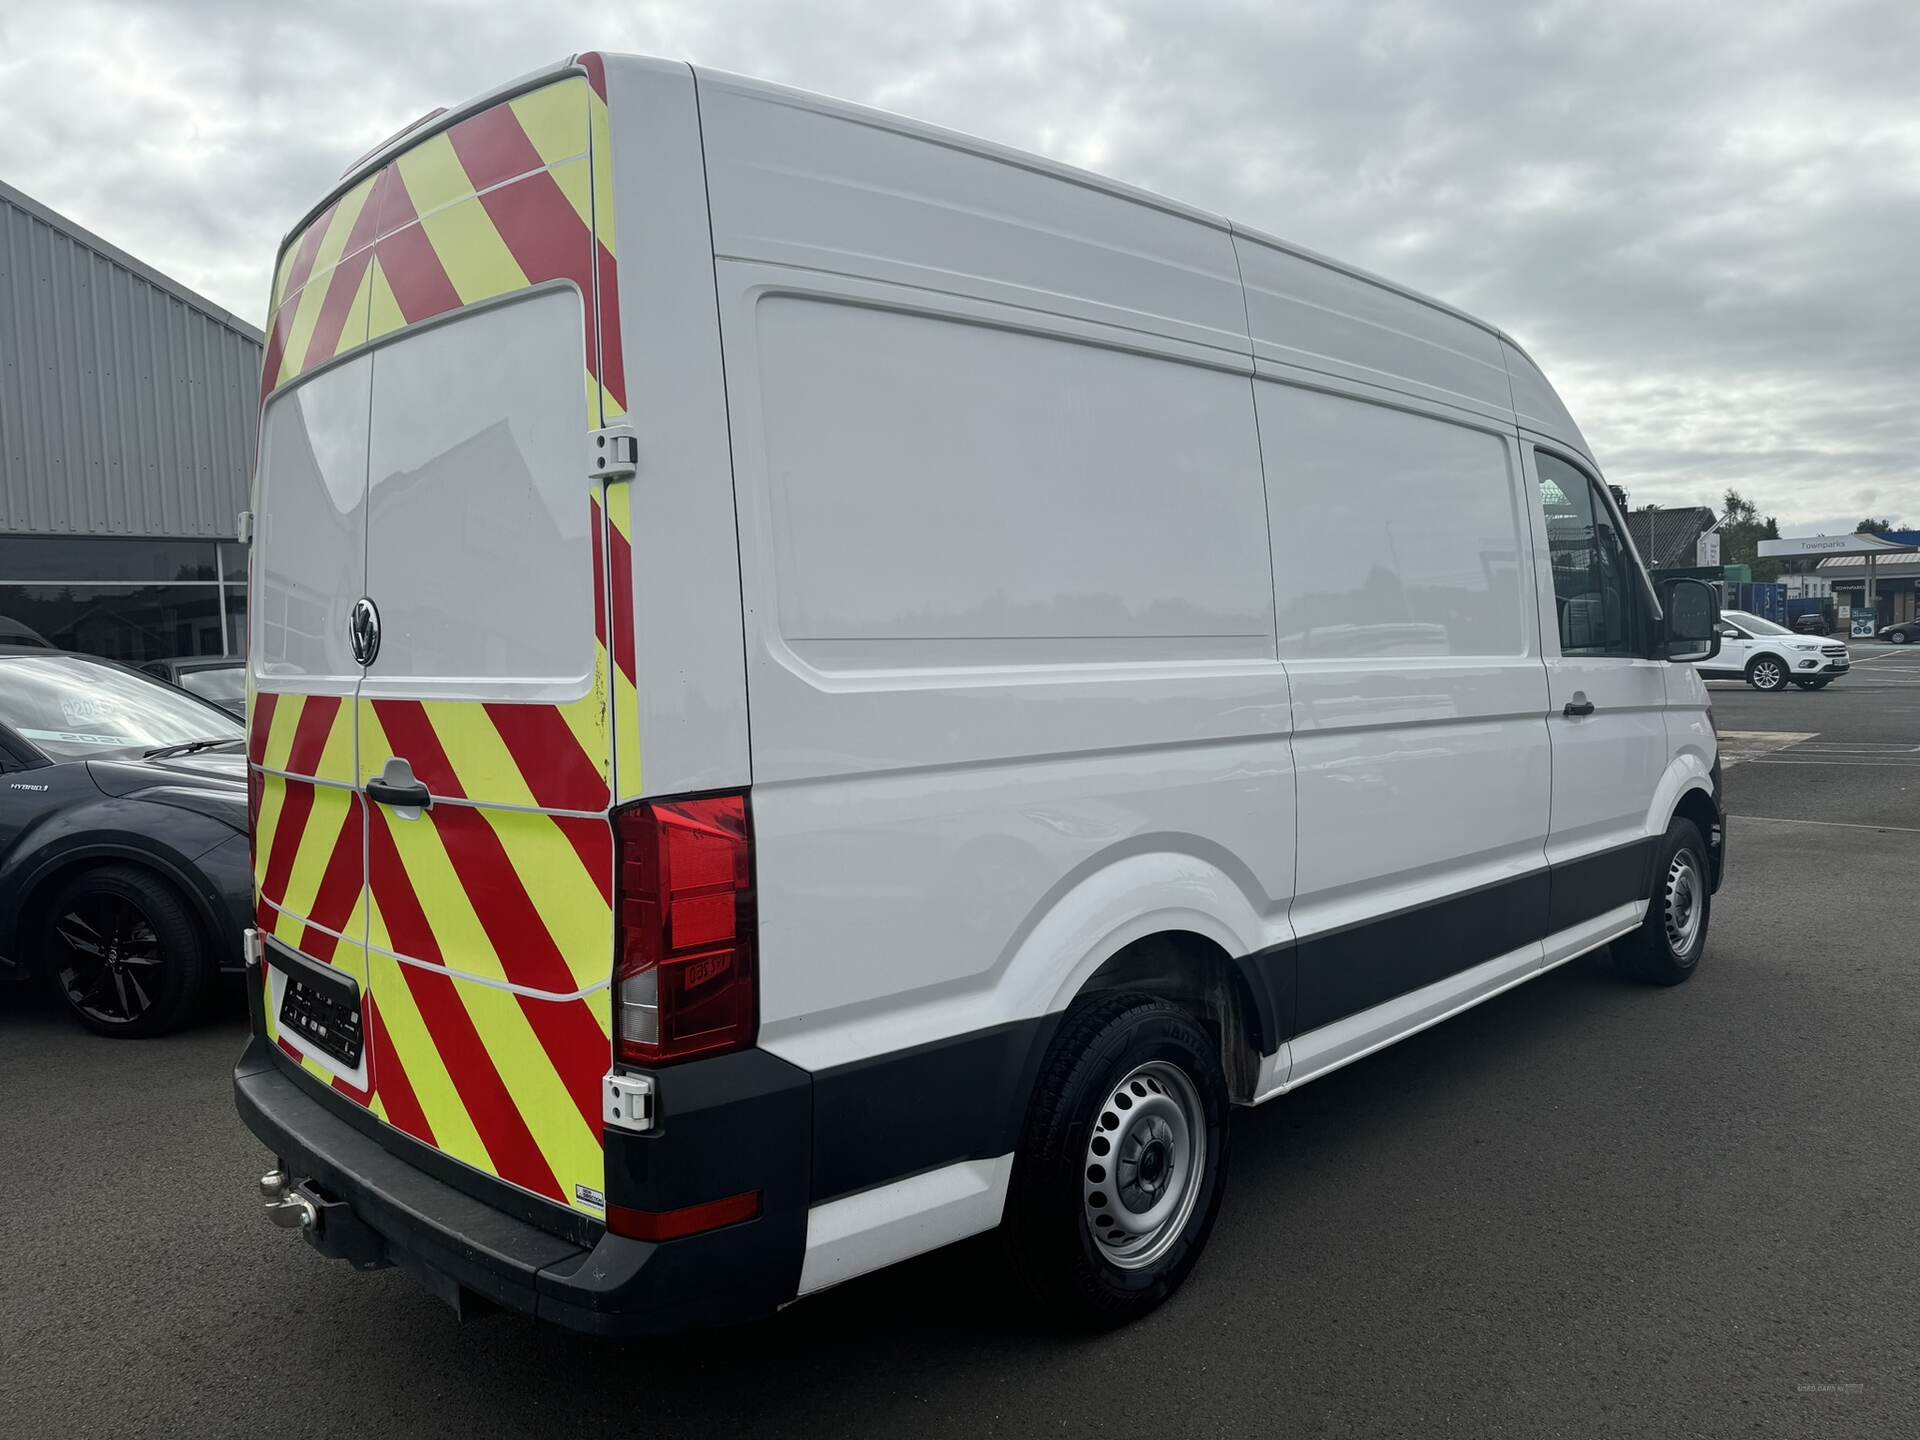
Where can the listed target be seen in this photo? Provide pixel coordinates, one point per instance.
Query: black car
(219, 678)
(1901, 632)
(1814, 622)
(124, 871)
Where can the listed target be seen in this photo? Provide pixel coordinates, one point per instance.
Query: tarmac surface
(1585, 1207)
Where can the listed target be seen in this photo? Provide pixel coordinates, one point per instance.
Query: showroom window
(128, 600)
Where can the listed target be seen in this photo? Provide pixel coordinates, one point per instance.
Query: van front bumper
(726, 1125)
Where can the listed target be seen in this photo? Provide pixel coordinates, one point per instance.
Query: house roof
(1664, 537)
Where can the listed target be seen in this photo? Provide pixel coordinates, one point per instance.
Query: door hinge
(614, 453)
(627, 1102)
(243, 527)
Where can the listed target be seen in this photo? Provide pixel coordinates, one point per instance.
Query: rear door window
(310, 549)
(479, 547)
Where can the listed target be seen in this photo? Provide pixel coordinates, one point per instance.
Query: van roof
(435, 121)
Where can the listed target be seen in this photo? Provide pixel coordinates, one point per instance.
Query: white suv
(1769, 656)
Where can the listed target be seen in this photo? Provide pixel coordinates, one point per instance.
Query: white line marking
(1835, 824)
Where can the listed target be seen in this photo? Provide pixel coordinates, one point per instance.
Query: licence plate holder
(319, 1006)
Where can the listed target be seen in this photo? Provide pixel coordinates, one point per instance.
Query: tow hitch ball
(286, 1208)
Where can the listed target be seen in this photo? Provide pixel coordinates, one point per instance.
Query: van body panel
(955, 719)
(1537, 407)
(1322, 318)
(816, 184)
(684, 593)
(1405, 590)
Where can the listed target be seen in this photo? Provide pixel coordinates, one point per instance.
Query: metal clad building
(128, 413)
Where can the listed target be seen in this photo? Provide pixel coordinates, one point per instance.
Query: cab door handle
(1578, 705)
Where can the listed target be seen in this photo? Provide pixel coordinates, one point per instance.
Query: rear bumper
(379, 1206)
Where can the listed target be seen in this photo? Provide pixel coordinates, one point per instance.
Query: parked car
(219, 678)
(1901, 632)
(1771, 657)
(896, 780)
(124, 872)
(1814, 622)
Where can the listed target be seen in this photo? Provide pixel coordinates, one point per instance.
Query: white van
(819, 687)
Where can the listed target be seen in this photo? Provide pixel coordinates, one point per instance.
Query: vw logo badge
(363, 629)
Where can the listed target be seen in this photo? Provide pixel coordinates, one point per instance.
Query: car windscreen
(1754, 625)
(70, 708)
(226, 682)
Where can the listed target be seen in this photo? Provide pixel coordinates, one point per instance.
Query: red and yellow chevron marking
(626, 697)
(500, 202)
(508, 1079)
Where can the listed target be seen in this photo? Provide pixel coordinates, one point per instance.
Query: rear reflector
(673, 1224)
(684, 973)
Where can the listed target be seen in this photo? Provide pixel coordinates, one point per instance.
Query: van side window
(1593, 581)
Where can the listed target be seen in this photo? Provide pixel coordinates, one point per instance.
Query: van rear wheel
(1666, 949)
(1119, 1174)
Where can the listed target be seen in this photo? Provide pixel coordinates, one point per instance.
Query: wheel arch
(1228, 994)
(39, 887)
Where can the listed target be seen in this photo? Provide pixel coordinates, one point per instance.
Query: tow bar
(289, 1212)
(329, 1225)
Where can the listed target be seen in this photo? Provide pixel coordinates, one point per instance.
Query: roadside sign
(1862, 621)
(1706, 550)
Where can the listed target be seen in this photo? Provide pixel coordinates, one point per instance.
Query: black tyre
(1767, 672)
(123, 952)
(1666, 949)
(1119, 1174)
(1900, 637)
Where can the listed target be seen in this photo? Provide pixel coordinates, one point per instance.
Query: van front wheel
(1666, 949)
(1119, 1174)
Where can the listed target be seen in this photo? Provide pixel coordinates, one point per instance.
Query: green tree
(1742, 528)
(1875, 527)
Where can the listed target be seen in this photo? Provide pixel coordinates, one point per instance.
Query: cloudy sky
(1702, 218)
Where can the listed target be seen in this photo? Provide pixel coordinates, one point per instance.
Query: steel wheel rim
(1767, 674)
(1145, 1162)
(1683, 901)
(110, 966)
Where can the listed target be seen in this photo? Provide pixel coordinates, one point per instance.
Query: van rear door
(307, 819)
(491, 936)
(475, 743)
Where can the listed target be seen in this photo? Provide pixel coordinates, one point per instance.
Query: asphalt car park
(1585, 1206)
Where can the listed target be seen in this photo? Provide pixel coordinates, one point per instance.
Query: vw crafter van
(819, 687)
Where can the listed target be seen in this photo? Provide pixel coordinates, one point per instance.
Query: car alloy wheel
(1767, 674)
(111, 960)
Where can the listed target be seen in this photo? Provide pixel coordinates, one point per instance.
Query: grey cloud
(1697, 216)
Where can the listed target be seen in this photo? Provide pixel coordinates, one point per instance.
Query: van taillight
(684, 976)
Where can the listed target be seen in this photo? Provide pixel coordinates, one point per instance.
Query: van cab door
(1606, 704)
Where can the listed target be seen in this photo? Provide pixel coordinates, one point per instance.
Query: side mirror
(1690, 626)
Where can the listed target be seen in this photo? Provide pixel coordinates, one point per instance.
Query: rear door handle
(406, 797)
(1578, 705)
(395, 786)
